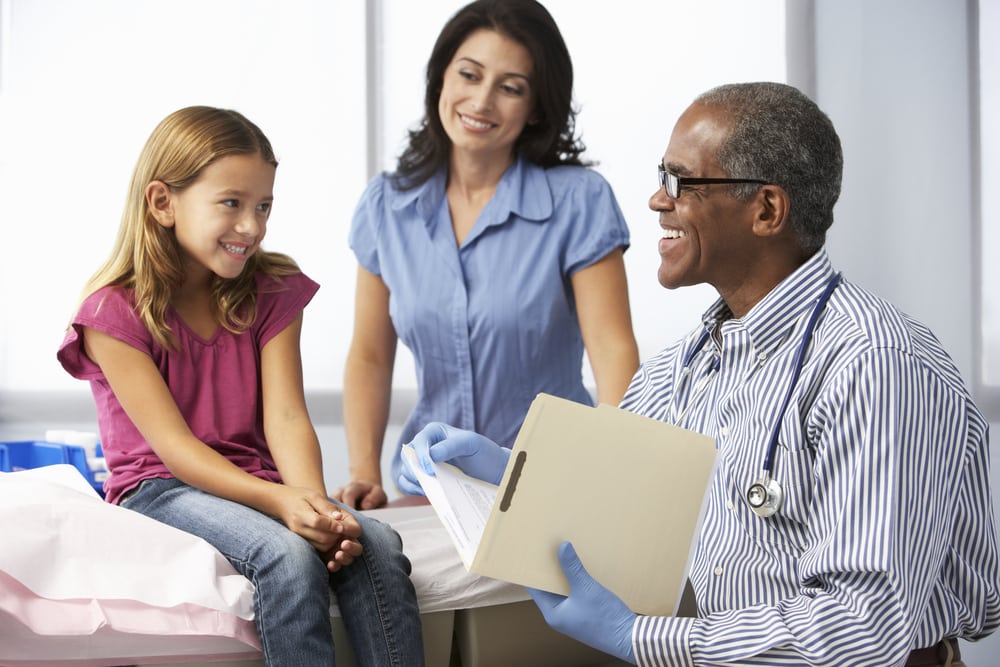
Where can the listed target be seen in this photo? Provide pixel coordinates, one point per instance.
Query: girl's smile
(221, 218)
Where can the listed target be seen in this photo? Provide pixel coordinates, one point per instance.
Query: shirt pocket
(787, 529)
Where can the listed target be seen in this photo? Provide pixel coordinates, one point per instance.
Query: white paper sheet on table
(82, 580)
(74, 566)
(440, 578)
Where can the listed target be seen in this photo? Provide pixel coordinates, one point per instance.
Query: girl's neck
(193, 303)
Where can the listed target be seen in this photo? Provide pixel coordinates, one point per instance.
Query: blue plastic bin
(28, 454)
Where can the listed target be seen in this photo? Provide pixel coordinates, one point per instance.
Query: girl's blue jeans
(292, 585)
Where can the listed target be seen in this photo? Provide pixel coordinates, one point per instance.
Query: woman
(493, 252)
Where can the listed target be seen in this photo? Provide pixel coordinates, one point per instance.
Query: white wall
(76, 111)
(894, 77)
(82, 84)
(900, 99)
(988, 261)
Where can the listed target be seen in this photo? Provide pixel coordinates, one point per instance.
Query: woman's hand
(361, 495)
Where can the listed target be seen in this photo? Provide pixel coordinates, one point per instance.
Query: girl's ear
(160, 200)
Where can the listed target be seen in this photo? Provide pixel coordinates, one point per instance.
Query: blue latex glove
(591, 613)
(473, 454)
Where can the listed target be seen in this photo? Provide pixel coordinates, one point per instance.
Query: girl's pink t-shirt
(215, 382)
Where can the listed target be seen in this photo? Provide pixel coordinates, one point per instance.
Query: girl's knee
(383, 547)
(377, 535)
(287, 557)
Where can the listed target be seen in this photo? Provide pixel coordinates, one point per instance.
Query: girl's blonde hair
(146, 257)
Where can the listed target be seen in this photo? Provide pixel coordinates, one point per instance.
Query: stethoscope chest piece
(764, 496)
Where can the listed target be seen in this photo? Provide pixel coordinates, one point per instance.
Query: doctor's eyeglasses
(673, 183)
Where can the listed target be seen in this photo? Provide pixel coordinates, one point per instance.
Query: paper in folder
(628, 491)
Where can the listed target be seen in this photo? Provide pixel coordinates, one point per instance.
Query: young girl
(189, 336)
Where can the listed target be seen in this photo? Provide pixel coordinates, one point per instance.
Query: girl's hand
(348, 548)
(311, 515)
(342, 554)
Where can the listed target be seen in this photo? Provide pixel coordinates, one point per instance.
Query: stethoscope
(765, 495)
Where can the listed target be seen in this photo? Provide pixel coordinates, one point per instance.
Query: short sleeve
(279, 302)
(365, 224)
(598, 226)
(109, 310)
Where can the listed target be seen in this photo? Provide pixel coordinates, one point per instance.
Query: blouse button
(718, 571)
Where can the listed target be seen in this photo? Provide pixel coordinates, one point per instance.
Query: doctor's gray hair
(781, 136)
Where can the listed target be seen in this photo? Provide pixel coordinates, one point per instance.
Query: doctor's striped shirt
(885, 540)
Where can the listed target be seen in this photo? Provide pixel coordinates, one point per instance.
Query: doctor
(849, 521)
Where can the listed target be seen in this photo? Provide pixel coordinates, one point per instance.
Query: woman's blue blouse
(493, 322)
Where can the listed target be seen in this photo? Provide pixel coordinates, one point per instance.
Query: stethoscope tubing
(798, 362)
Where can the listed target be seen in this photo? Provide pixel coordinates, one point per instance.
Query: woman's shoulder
(387, 186)
(583, 185)
(388, 191)
(576, 177)
(582, 193)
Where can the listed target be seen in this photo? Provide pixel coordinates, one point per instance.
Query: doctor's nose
(659, 201)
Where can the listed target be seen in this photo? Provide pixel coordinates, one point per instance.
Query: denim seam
(250, 573)
(384, 618)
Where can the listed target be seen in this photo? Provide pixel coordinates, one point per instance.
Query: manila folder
(628, 491)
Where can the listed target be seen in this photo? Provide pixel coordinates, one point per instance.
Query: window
(83, 83)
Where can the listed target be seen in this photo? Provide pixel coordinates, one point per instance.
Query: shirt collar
(523, 191)
(426, 197)
(772, 319)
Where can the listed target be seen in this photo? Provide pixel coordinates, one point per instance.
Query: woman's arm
(602, 305)
(367, 390)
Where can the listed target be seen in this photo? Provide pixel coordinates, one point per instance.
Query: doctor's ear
(771, 210)
(160, 199)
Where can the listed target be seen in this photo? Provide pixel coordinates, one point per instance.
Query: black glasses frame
(672, 183)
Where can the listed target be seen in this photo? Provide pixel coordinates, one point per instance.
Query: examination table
(84, 583)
